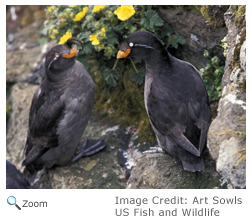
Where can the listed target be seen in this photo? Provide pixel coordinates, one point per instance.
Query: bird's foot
(89, 148)
(153, 150)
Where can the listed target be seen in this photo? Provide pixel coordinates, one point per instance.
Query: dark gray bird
(60, 110)
(14, 178)
(175, 98)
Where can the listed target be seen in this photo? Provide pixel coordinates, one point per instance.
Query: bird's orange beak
(122, 54)
(73, 53)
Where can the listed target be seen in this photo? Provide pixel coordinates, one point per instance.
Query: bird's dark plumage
(118, 35)
(75, 41)
(14, 178)
(176, 99)
(60, 109)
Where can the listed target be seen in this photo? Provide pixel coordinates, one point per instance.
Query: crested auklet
(175, 98)
(60, 110)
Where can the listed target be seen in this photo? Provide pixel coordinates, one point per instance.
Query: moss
(214, 14)
(125, 102)
(239, 15)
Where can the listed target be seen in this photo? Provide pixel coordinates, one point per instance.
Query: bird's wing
(79, 104)
(32, 117)
(199, 108)
(45, 113)
(170, 114)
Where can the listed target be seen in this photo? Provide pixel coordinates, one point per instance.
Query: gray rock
(243, 56)
(233, 31)
(24, 62)
(20, 98)
(238, 75)
(162, 171)
(21, 64)
(199, 35)
(228, 164)
(227, 133)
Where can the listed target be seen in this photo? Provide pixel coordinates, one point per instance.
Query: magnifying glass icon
(12, 201)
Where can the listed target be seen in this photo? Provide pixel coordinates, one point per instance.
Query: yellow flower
(98, 8)
(72, 6)
(103, 30)
(71, 15)
(124, 12)
(54, 32)
(65, 37)
(50, 9)
(93, 38)
(81, 14)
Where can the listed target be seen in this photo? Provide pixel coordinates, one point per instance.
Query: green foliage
(176, 40)
(212, 76)
(138, 77)
(110, 76)
(151, 19)
(94, 30)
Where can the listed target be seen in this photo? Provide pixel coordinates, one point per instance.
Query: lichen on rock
(227, 132)
(213, 14)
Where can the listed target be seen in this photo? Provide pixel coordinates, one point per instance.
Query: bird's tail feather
(191, 162)
(33, 155)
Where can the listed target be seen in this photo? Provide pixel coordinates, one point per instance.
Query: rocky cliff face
(227, 133)
(198, 33)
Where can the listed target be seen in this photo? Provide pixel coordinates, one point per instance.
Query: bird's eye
(131, 44)
(56, 55)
